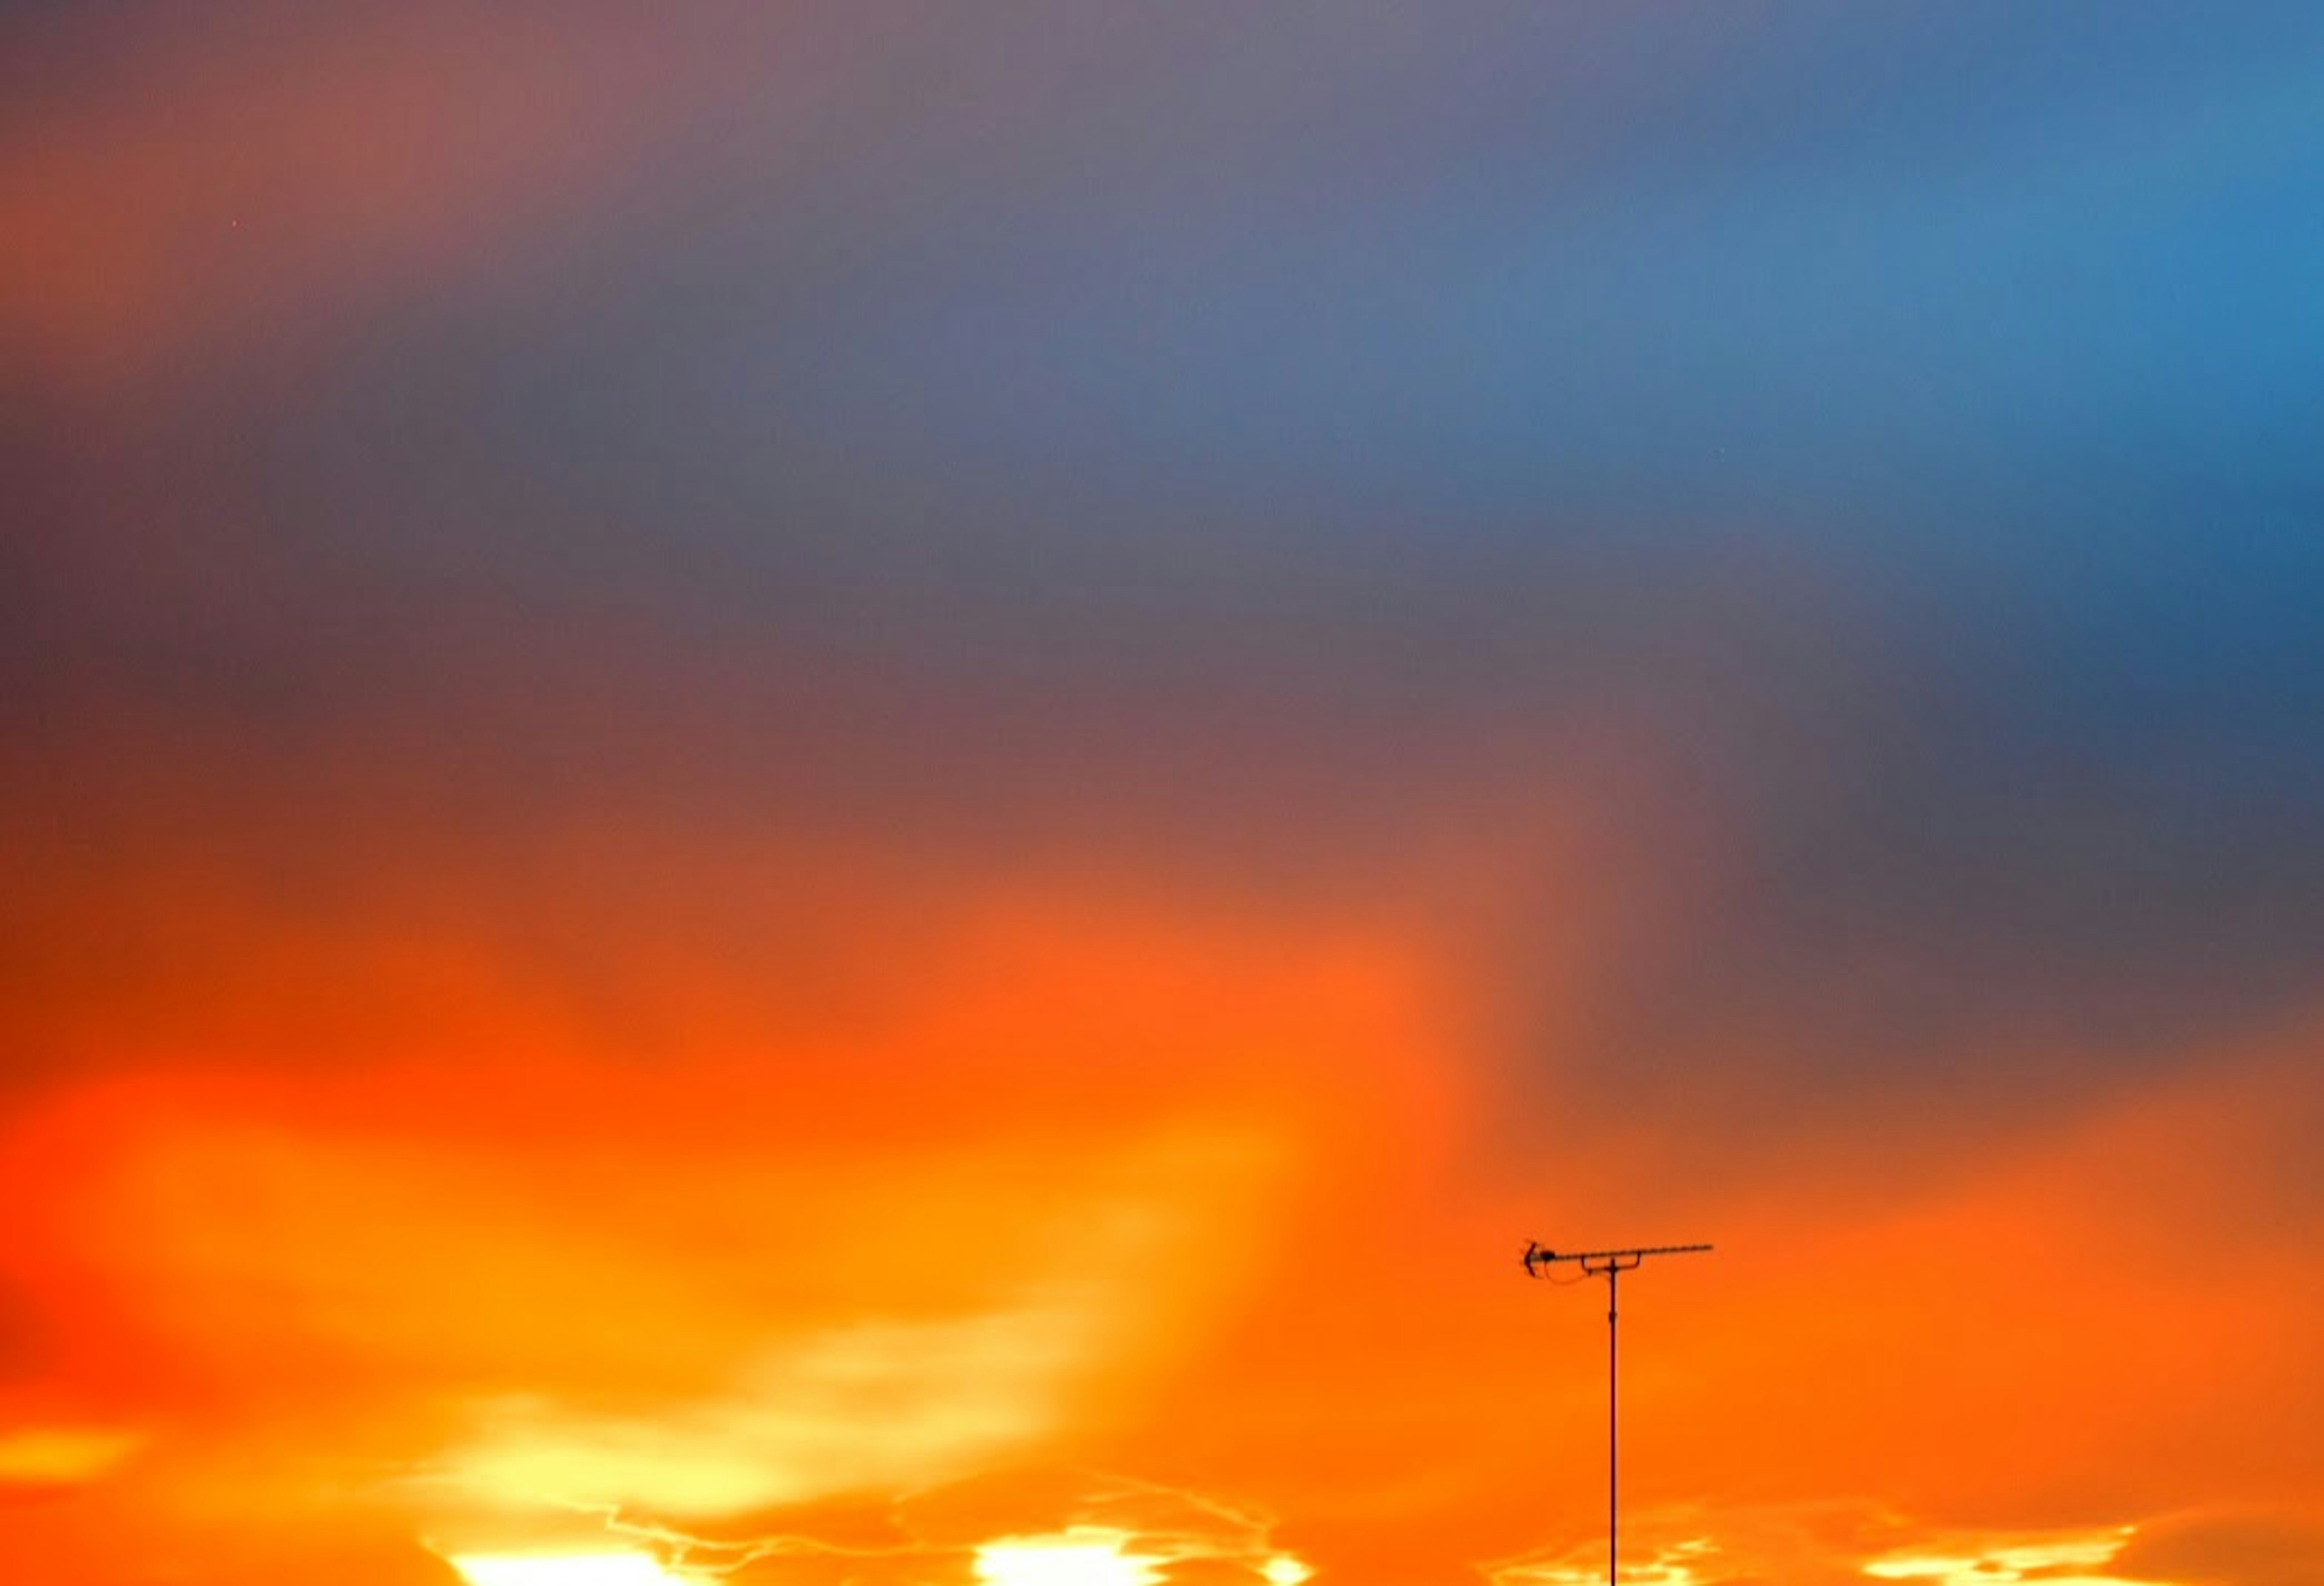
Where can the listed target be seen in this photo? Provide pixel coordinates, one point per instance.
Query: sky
(874, 794)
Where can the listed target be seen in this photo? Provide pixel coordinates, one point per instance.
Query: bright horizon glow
(2012, 1562)
(565, 1569)
(1081, 1557)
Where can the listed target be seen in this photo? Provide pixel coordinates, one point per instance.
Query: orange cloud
(510, 1296)
(789, 1216)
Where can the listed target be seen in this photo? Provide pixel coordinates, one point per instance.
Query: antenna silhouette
(1611, 1265)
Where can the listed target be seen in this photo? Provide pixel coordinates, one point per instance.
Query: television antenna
(1609, 1265)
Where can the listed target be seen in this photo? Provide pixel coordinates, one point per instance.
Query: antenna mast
(1611, 1265)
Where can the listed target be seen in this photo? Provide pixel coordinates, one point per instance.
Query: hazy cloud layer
(1319, 635)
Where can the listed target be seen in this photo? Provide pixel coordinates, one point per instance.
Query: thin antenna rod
(1611, 1265)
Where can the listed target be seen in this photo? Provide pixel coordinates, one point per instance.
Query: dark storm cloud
(1904, 418)
(2085, 820)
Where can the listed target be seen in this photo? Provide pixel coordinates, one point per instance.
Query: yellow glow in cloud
(886, 1404)
(2047, 1561)
(881, 1405)
(63, 1455)
(572, 1569)
(1082, 1555)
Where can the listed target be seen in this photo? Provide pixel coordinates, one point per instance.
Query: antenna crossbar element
(1609, 1265)
(1594, 1262)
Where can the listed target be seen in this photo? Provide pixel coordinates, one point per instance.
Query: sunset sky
(873, 793)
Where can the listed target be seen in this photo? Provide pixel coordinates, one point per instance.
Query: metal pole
(1612, 1264)
(1613, 1425)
